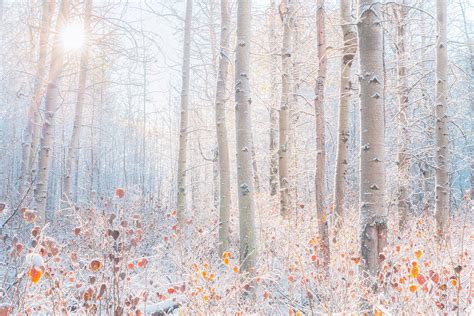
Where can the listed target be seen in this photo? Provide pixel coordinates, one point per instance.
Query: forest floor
(127, 256)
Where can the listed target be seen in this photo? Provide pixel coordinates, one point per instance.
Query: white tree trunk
(31, 134)
(284, 118)
(47, 139)
(273, 105)
(320, 178)
(76, 131)
(373, 214)
(222, 140)
(243, 127)
(349, 51)
(183, 129)
(441, 125)
(403, 135)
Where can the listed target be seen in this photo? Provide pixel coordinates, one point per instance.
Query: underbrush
(125, 256)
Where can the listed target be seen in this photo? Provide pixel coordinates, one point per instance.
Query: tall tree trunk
(284, 118)
(31, 134)
(441, 125)
(373, 214)
(349, 51)
(183, 129)
(320, 178)
(470, 42)
(403, 135)
(73, 148)
(52, 94)
(273, 104)
(222, 141)
(243, 127)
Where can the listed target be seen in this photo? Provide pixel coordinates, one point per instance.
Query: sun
(73, 37)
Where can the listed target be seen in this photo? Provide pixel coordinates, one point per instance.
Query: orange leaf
(418, 253)
(35, 274)
(119, 192)
(226, 261)
(142, 262)
(313, 258)
(435, 277)
(454, 282)
(95, 265)
(421, 279)
(235, 269)
(414, 272)
(171, 290)
(413, 288)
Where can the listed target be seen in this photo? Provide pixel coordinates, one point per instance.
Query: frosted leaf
(34, 260)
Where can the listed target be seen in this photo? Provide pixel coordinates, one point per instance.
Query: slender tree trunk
(284, 118)
(441, 125)
(294, 110)
(349, 51)
(73, 148)
(470, 42)
(52, 94)
(403, 135)
(243, 125)
(320, 141)
(256, 178)
(222, 141)
(32, 131)
(373, 214)
(183, 132)
(274, 179)
(273, 105)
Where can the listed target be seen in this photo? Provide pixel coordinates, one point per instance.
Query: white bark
(349, 51)
(273, 105)
(320, 178)
(373, 214)
(183, 129)
(243, 127)
(284, 117)
(403, 135)
(52, 94)
(73, 147)
(31, 134)
(441, 125)
(222, 140)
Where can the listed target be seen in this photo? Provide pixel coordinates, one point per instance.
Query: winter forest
(236, 157)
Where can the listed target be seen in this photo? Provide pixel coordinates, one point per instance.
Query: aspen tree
(222, 140)
(52, 96)
(320, 178)
(373, 214)
(248, 255)
(273, 99)
(73, 147)
(31, 134)
(286, 12)
(441, 117)
(349, 51)
(183, 128)
(403, 136)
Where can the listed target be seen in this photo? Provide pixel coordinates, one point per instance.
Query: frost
(34, 260)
